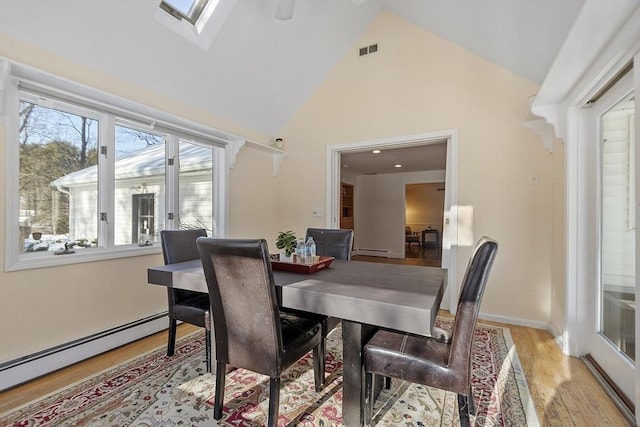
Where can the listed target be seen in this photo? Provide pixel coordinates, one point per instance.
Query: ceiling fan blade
(284, 9)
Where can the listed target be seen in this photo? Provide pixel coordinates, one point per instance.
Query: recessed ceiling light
(376, 151)
(398, 166)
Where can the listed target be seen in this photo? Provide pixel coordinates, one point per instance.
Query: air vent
(368, 49)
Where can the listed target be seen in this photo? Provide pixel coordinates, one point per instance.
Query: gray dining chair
(338, 244)
(332, 242)
(250, 330)
(443, 362)
(186, 306)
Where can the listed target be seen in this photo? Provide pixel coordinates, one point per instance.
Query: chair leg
(472, 407)
(171, 343)
(324, 330)
(207, 339)
(318, 366)
(274, 401)
(387, 382)
(221, 369)
(367, 412)
(463, 410)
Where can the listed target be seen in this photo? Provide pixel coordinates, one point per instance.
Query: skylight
(199, 21)
(189, 10)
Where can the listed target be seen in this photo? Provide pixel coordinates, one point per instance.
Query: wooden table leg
(354, 337)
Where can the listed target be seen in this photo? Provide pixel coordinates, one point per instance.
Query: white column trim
(5, 71)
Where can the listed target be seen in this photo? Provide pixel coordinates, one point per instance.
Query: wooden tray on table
(320, 263)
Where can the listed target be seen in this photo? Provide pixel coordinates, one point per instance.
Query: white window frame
(192, 16)
(206, 28)
(111, 109)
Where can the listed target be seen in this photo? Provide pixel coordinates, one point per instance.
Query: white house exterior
(140, 205)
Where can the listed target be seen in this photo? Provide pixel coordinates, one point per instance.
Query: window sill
(48, 259)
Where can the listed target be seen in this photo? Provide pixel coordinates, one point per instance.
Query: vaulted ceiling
(259, 70)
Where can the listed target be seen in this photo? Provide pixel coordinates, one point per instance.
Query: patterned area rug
(156, 390)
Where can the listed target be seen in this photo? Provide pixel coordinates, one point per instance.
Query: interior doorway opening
(374, 183)
(424, 222)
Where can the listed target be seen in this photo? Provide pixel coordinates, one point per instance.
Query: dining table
(367, 296)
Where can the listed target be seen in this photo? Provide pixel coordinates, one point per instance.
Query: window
(89, 181)
(58, 154)
(198, 21)
(140, 158)
(196, 181)
(144, 213)
(185, 9)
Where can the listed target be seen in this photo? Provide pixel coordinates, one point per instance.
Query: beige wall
(45, 307)
(416, 83)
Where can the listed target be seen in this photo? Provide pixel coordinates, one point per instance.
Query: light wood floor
(564, 391)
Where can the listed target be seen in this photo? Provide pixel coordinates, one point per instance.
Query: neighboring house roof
(147, 162)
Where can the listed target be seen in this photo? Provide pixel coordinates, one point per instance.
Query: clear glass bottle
(300, 251)
(311, 250)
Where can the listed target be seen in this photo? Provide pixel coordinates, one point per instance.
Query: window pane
(618, 259)
(140, 186)
(188, 9)
(196, 187)
(58, 179)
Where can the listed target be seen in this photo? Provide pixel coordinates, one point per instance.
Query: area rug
(156, 390)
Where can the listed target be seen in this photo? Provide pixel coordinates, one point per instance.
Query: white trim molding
(540, 127)
(587, 58)
(232, 150)
(5, 70)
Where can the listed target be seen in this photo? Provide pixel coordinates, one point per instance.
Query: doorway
(611, 335)
(424, 218)
(450, 229)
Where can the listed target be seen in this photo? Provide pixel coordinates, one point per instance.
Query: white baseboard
(17, 371)
(514, 321)
(558, 338)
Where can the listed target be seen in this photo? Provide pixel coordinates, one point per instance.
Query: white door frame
(450, 227)
(580, 216)
(619, 368)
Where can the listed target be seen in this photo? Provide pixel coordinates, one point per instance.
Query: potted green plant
(287, 241)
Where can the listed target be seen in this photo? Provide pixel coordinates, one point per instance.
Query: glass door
(612, 338)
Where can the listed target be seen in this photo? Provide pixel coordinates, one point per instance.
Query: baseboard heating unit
(375, 252)
(43, 362)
